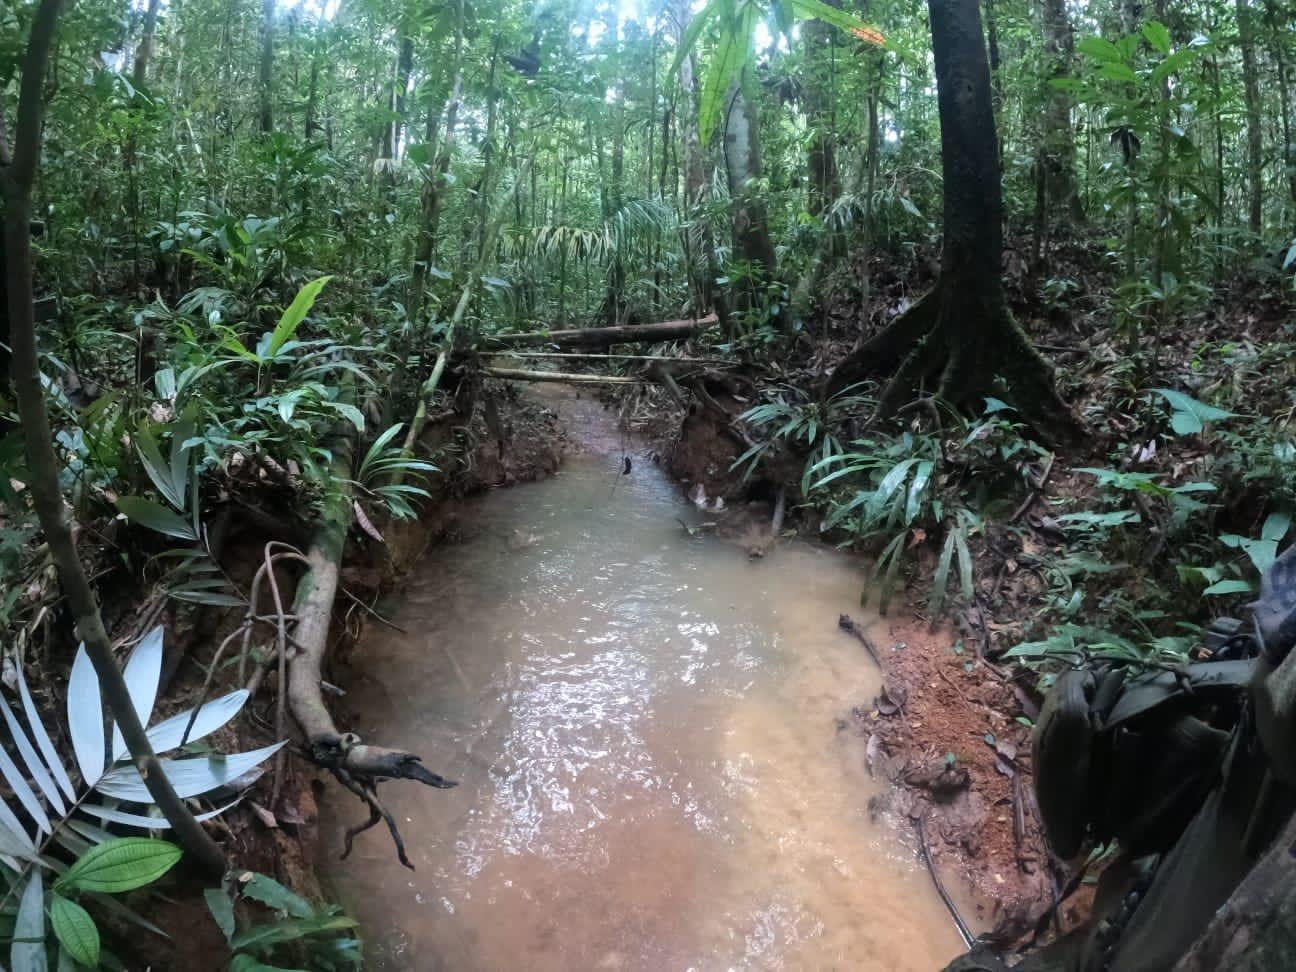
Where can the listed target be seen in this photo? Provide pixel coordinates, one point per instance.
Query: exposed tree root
(966, 335)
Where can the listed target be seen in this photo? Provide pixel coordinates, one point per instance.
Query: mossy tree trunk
(960, 338)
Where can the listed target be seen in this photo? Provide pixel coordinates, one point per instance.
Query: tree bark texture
(962, 333)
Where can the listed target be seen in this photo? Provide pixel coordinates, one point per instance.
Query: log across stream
(645, 727)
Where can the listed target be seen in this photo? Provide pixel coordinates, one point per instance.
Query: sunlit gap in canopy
(312, 8)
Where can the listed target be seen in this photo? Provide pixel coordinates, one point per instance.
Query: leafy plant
(73, 816)
(321, 937)
(737, 21)
(1189, 416)
(384, 466)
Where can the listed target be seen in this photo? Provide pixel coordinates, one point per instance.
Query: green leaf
(75, 930)
(1185, 423)
(916, 489)
(1190, 415)
(349, 412)
(1173, 62)
(818, 10)
(222, 911)
(1275, 526)
(155, 516)
(294, 315)
(120, 864)
(27, 954)
(936, 602)
(689, 41)
(274, 895)
(291, 930)
(1229, 587)
(1156, 34)
(1099, 49)
(158, 469)
(728, 62)
(1117, 72)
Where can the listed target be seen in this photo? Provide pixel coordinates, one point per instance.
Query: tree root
(969, 338)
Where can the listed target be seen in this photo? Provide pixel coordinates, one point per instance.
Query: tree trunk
(145, 50)
(19, 178)
(751, 239)
(962, 333)
(1251, 99)
(1277, 37)
(996, 74)
(1255, 930)
(698, 245)
(1056, 170)
(434, 185)
(266, 71)
(825, 185)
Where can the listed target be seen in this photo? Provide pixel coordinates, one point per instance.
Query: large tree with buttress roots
(960, 339)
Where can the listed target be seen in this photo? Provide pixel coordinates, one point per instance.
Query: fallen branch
(517, 374)
(671, 359)
(963, 931)
(600, 337)
(357, 766)
(847, 624)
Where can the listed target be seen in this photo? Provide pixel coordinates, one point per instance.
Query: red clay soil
(961, 764)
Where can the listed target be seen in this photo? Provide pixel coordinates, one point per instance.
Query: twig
(372, 613)
(1036, 490)
(281, 707)
(847, 624)
(963, 931)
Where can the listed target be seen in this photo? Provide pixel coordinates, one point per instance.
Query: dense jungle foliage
(272, 242)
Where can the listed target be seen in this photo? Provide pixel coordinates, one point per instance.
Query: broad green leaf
(727, 61)
(222, 910)
(1185, 423)
(348, 412)
(1229, 587)
(689, 41)
(158, 469)
(28, 951)
(274, 895)
(818, 10)
(921, 476)
(155, 516)
(1099, 49)
(890, 483)
(120, 864)
(75, 930)
(190, 777)
(1156, 34)
(1173, 62)
(293, 929)
(1275, 526)
(1113, 71)
(936, 603)
(294, 315)
(85, 718)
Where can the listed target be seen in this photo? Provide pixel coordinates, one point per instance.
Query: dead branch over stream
(601, 337)
(356, 765)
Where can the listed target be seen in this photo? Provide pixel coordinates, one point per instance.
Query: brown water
(644, 727)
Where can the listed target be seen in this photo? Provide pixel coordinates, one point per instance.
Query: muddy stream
(644, 725)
